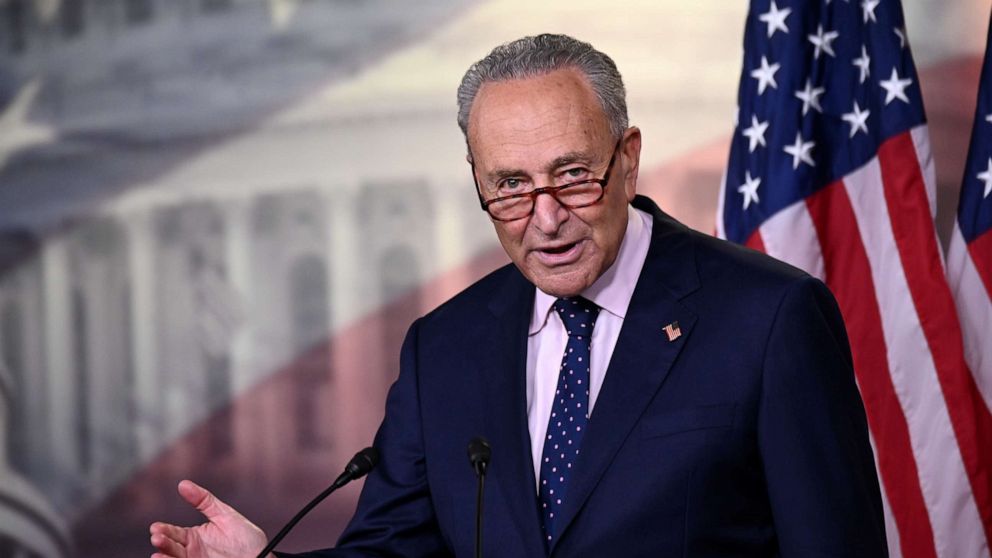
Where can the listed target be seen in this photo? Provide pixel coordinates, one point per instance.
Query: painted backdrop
(218, 218)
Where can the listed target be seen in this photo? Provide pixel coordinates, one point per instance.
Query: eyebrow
(569, 158)
(559, 161)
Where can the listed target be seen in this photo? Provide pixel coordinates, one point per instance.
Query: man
(660, 392)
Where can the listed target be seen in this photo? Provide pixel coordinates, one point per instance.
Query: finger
(201, 498)
(174, 532)
(168, 546)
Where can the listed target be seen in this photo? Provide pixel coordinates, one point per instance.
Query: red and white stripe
(871, 237)
(969, 272)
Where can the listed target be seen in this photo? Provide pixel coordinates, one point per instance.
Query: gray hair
(540, 55)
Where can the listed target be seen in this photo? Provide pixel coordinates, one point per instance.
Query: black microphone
(479, 454)
(358, 467)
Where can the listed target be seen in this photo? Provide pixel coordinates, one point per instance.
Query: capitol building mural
(189, 212)
(29, 527)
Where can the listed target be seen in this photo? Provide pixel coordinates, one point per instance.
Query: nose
(548, 214)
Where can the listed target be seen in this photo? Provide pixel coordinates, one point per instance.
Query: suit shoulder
(723, 260)
(476, 297)
(716, 261)
(736, 278)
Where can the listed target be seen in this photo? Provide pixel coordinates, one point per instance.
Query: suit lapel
(642, 357)
(503, 361)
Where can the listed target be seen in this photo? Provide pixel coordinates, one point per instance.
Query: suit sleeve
(395, 516)
(813, 434)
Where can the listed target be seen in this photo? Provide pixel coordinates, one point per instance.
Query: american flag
(830, 170)
(969, 259)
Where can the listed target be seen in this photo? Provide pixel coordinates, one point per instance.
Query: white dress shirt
(547, 337)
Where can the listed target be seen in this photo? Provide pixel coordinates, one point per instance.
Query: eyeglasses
(573, 195)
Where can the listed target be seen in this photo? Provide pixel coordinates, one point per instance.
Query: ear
(631, 150)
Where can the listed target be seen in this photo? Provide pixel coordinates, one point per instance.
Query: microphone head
(362, 463)
(479, 453)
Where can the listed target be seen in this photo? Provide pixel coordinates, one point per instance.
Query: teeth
(560, 249)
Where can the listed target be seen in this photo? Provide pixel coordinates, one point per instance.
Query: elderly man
(647, 390)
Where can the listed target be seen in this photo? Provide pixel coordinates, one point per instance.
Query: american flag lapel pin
(672, 331)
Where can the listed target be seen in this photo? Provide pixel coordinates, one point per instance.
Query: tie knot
(578, 314)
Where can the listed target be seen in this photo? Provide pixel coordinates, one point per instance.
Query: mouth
(559, 249)
(561, 254)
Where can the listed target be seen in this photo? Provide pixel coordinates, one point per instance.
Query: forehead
(514, 122)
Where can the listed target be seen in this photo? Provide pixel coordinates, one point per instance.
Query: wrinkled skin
(542, 131)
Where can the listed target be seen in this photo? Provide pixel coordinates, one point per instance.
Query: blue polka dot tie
(569, 413)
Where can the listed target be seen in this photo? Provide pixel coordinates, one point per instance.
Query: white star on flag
(985, 177)
(800, 151)
(868, 9)
(755, 133)
(810, 96)
(895, 88)
(858, 119)
(749, 189)
(862, 63)
(765, 75)
(775, 19)
(822, 41)
(989, 118)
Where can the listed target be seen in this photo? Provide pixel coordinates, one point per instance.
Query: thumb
(205, 502)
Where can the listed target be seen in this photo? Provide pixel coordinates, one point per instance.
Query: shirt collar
(613, 290)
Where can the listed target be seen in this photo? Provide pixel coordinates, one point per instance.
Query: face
(544, 131)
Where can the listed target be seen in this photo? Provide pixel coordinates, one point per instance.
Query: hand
(226, 534)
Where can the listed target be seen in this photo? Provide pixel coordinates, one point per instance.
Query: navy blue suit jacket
(746, 436)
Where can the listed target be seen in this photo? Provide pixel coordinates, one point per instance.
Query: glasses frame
(551, 190)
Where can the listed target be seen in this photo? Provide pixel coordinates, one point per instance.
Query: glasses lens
(511, 208)
(580, 193)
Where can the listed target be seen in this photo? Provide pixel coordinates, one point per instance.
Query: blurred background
(218, 218)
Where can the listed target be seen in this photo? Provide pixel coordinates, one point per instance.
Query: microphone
(479, 454)
(359, 466)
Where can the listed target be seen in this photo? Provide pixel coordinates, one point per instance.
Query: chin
(564, 285)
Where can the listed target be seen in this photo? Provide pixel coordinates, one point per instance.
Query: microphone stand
(358, 467)
(478, 517)
(479, 454)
